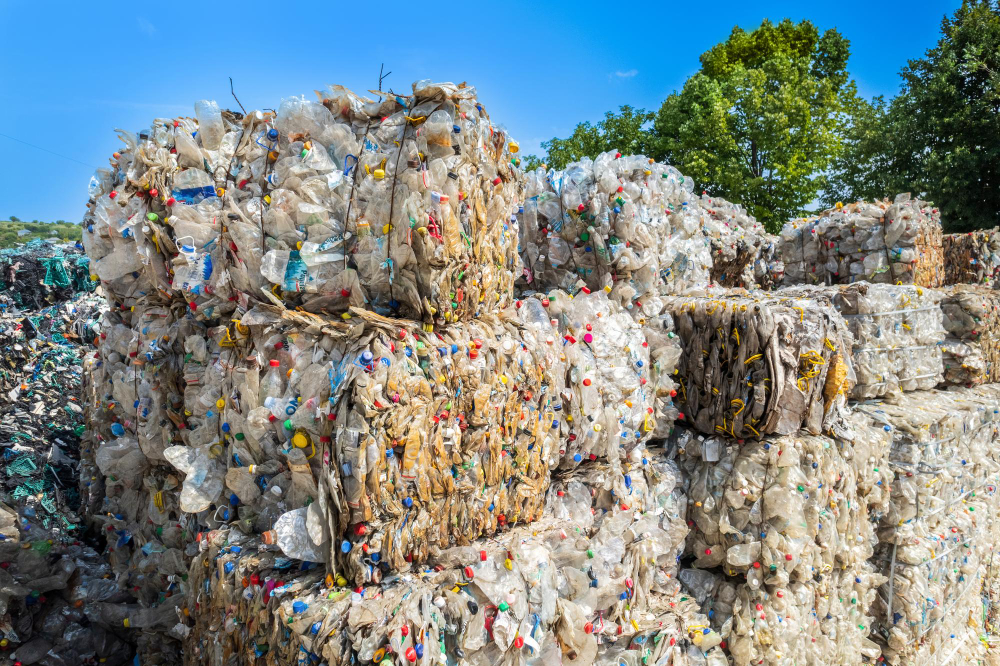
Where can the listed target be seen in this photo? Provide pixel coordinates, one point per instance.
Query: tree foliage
(761, 121)
(940, 138)
(864, 167)
(624, 131)
(773, 121)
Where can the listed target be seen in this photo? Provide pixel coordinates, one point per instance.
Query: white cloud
(146, 26)
(626, 75)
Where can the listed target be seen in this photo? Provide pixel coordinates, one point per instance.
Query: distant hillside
(65, 231)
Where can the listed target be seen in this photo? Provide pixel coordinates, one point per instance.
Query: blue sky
(71, 73)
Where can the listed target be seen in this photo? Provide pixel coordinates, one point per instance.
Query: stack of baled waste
(757, 364)
(972, 257)
(616, 390)
(337, 427)
(971, 352)
(878, 241)
(594, 582)
(633, 226)
(134, 401)
(937, 539)
(898, 336)
(781, 536)
(366, 393)
(403, 206)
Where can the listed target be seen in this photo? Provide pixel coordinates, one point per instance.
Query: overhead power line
(51, 152)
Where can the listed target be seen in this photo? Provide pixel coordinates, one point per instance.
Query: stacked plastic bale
(972, 257)
(898, 335)
(403, 206)
(182, 441)
(755, 365)
(134, 401)
(632, 225)
(781, 537)
(938, 537)
(587, 584)
(615, 392)
(971, 352)
(405, 438)
(878, 241)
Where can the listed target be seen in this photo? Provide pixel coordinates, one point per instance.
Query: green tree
(531, 162)
(940, 138)
(762, 119)
(865, 167)
(624, 131)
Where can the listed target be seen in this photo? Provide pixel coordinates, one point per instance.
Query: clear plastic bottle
(273, 384)
(211, 129)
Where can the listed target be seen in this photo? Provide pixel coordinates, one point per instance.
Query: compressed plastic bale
(605, 400)
(822, 620)
(633, 224)
(754, 365)
(759, 508)
(898, 336)
(404, 206)
(894, 243)
(134, 394)
(430, 438)
(787, 521)
(938, 534)
(523, 597)
(972, 257)
(664, 353)
(971, 352)
(672, 632)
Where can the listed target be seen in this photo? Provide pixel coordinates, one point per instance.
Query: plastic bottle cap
(275, 363)
(299, 440)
